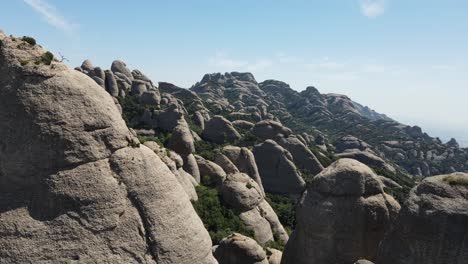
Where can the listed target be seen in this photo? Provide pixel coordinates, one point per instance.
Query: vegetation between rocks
(218, 218)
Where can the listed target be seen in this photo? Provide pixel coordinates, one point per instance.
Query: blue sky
(407, 59)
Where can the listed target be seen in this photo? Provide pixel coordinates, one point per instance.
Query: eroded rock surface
(76, 187)
(342, 217)
(433, 224)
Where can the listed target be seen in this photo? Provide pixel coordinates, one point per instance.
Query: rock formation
(433, 224)
(76, 185)
(277, 169)
(342, 217)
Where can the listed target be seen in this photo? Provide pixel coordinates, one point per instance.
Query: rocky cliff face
(76, 184)
(100, 165)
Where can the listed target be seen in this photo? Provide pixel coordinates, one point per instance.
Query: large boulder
(244, 161)
(219, 130)
(342, 216)
(367, 158)
(119, 66)
(75, 185)
(432, 227)
(277, 169)
(270, 129)
(350, 142)
(213, 171)
(239, 249)
(111, 84)
(303, 157)
(241, 192)
(181, 140)
(191, 166)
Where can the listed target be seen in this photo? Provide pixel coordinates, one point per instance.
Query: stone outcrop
(244, 161)
(303, 157)
(277, 169)
(432, 227)
(209, 169)
(269, 129)
(219, 130)
(239, 249)
(342, 217)
(76, 187)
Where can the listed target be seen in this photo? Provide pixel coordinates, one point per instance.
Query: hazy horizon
(405, 59)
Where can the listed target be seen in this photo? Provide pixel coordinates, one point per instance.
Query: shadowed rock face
(75, 185)
(341, 217)
(277, 170)
(433, 224)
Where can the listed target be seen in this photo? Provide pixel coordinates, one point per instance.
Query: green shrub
(47, 58)
(29, 40)
(131, 109)
(456, 180)
(285, 208)
(218, 218)
(206, 149)
(277, 244)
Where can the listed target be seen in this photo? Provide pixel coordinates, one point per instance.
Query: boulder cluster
(105, 166)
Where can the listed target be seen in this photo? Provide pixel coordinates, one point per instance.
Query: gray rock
(181, 140)
(254, 221)
(87, 66)
(342, 216)
(242, 124)
(198, 120)
(270, 215)
(302, 156)
(367, 158)
(99, 81)
(277, 170)
(111, 84)
(244, 160)
(75, 185)
(225, 163)
(211, 170)
(274, 256)
(121, 67)
(138, 75)
(191, 166)
(350, 142)
(239, 249)
(170, 117)
(98, 72)
(363, 261)
(269, 129)
(138, 88)
(150, 98)
(241, 192)
(219, 130)
(432, 226)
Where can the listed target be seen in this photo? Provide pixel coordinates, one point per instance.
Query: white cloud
(51, 15)
(372, 8)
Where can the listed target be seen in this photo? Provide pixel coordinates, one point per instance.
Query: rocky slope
(100, 165)
(331, 116)
(77, 187)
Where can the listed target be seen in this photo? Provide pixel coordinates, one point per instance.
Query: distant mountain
(330, 116)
